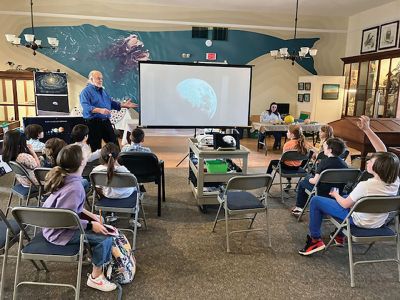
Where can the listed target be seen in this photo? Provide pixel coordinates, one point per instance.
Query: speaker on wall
(220, 34)
(200, 32)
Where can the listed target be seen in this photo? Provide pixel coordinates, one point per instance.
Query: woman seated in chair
(63, 183)
(271, 115)
(384, 166)
(109, 162)
(296, 142)
(16, 149)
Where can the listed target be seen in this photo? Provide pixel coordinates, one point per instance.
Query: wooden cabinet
(372, 85)
(17, 95)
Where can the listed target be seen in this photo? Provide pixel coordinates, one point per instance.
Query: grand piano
(388, 130)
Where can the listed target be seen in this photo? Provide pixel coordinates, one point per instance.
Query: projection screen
(194, 95)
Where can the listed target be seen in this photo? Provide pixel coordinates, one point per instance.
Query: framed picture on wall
(306, 97)
(300, 97)
(389, 35)
(369, 41)
(300, 86)
(307, 86)
(330, 91)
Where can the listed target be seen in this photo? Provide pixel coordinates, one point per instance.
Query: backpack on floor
(123, 264)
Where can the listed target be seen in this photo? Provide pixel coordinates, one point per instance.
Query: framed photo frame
(369, 40)
(299, 97)
(306, 97)
(300, 86)
(389, 35)
(330, 91)
(307, 86)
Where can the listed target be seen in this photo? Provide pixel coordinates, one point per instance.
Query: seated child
(333, 147)
(66, 191)
(109, 162)
(296, 142)
(34, 133)
(137, 138)
(384, 166)
(51, 149)
(80, 135)
(16, 149)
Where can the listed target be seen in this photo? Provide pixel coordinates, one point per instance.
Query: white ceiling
(342, 8)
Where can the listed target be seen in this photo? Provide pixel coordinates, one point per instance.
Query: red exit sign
(211, 56)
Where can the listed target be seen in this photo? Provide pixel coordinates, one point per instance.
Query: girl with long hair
(16, 149)
(51, 149)
(64, 185)
(296, 142)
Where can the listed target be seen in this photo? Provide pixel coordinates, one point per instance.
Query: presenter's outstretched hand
(129, 104)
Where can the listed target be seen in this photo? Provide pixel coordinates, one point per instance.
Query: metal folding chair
(23, 193)
(237, 199)
(129, 205)
(336, 178)
(284, 173)
(40, 174)
(40, 249)
(372, 204)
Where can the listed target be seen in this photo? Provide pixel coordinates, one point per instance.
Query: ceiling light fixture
(296, 55)
(31, 41)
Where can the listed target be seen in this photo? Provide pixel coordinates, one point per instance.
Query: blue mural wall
(116, 52)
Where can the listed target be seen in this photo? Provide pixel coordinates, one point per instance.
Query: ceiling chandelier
(31, 41)
(296, 55)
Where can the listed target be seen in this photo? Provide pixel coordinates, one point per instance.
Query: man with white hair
(97, 105)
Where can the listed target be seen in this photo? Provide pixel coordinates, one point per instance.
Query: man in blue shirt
(97, 105)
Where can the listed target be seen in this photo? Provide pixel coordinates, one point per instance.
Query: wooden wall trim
(372, 56)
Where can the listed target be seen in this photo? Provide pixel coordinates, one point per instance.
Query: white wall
(323, 111)
(366, 19)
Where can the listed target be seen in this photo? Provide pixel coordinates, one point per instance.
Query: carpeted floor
(179, 258)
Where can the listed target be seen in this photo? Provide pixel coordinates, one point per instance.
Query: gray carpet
(179, 258)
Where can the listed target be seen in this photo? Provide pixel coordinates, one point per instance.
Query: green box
(216, 166)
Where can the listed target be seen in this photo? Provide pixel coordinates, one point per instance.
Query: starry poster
(51, 83)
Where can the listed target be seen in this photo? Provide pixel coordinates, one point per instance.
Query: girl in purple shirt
(64, 183)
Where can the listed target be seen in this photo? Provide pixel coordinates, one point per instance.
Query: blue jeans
(86, 184)
(99, 244)
(301, 192)
(321, 206)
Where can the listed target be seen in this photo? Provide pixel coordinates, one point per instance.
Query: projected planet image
(199, 94)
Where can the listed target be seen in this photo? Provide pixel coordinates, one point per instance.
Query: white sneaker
(101, 283)
(296, 211)
(132, 223)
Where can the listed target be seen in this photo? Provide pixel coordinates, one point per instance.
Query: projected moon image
(199, 94)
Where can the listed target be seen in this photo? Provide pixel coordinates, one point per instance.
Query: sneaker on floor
(312, 246)
(338, 240)
(287, 187)
(101, 283)
(132, 223)
(296, 211)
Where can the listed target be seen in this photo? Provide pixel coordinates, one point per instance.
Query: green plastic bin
(216, 166)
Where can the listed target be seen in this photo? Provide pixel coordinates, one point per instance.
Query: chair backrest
(337, 176)
(3, 218)
(19, 169)
(119, 180)
(294, 155)
(40, 174)
(46, 217)
(377, 204)
(249, 182)
(89, 167)
(321, 155)
(144, 165)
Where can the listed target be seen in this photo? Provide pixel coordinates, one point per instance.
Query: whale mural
(117, 53)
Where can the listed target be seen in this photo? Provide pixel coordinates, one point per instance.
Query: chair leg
(280, 185)
(216, 217)
(3, 269)
(252, 221)
(9, 202)
(351, 264)
(227, 231)
(305, 207)
(163, 182)
(17, 268)
(79, 273)
(159, 199)
(268, 232)
(135, 231)
(398, 247)
(143, 213)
